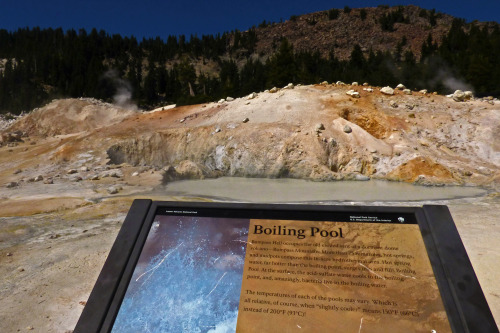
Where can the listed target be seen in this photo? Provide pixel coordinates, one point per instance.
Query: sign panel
(307, 276)
(273, 268)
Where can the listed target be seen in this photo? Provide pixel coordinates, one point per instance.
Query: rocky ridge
(316, 31)
(349, 29)
(322, 132)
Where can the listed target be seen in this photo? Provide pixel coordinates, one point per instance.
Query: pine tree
(362, 14)
(186, 74)
(409, 70)
(229, 78)
(281, 67)
(151, 85)
(252, 77)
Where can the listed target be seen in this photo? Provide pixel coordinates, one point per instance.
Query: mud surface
(296, 190)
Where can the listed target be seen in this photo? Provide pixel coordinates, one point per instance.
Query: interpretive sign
(338, 276)
(193, 267)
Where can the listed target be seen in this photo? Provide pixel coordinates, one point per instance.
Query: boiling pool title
(299, 233)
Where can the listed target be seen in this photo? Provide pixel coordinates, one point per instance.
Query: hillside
(319, 32)
(382, 46)
(317, 132)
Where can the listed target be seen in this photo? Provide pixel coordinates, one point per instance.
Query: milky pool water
(296, 190)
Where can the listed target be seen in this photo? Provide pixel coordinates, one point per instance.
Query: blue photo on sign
(188, 277)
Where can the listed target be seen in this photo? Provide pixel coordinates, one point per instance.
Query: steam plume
(123, 95)
(451, 82)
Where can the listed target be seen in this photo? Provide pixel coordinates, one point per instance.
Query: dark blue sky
(151, 18)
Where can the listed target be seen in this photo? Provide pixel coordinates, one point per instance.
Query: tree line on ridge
(43, 64)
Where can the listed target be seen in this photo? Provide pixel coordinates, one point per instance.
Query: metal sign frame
(461, 293)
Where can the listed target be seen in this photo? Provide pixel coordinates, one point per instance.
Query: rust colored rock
(432, 171)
